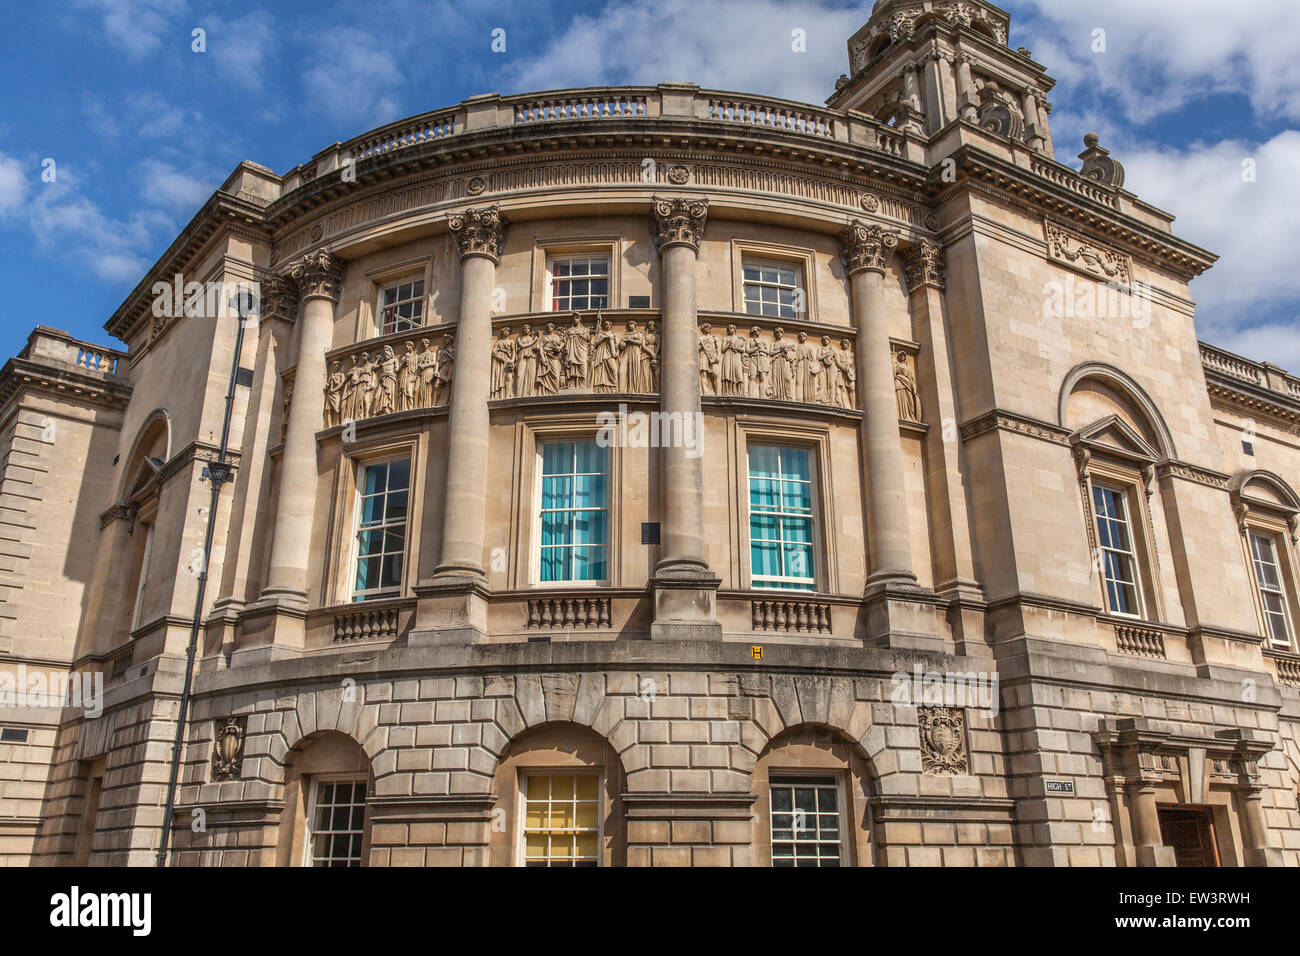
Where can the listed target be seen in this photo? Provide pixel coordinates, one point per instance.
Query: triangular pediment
(1116, 436)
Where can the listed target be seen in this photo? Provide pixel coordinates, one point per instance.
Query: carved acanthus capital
(480, 232)
(277, 298)
(867, 247)
(678, 222)
(923, 264)
(318, 274)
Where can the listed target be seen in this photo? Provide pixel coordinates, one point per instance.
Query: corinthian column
(685, 591)
(452, 606)
(866, 251)
(480, 235)
(318, 276)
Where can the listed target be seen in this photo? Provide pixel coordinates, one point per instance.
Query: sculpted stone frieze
(390, 383)
(575, 358)
(774, 365)
(909, 399)
(1091, 257)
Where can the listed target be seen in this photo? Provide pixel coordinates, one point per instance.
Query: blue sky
(141, 128)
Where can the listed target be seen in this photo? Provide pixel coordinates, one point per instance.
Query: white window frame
(1280, 571)
(539, 472)
(798, 288)
(138, 609)
(778, 778)
(354, 554)
(522, 815)
(421, 298)
(314, 784)
(554, 258)
(813, 512)
(1124, 494)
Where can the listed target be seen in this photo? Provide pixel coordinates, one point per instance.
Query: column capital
(318, 275)
(923, 265)
(678, 222)
(277, 298)
(865, 247)
(480, 232)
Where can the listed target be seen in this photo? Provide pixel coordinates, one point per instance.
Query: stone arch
(557, 754)
(1129, 399)
(318, 757)
(1265, 488)
(149, 451)
(821, 754)
(339, 710)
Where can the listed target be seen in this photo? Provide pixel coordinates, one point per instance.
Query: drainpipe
(218, 473)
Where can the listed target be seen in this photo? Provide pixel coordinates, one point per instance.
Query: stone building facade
(663, 476)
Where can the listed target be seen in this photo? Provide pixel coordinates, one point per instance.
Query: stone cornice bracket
(278, 297)
(318, 274)
(678, 222)
(924, 265)
(865, 247)
(480, 232)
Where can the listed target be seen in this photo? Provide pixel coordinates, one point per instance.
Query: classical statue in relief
(408, 378)
(652, 344)
(334, 394)
(427, 364)
(808, 369)
(577, 349)
(352, 391)
(848, 376)
(758, 366)
(527, 362)
(444, 369)
(604, 359)
(710, 352)
(504, 351)
(386, 392)
(550, 369)
(909, 400)
(783, 361)
(366, 391)
(634, 373)
(734, 349)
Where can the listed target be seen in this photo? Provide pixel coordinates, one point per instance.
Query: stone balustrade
(560, 613)
(801, 617)
(1140, 641)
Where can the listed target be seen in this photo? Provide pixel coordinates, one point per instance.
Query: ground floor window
(337, 823)
(806, 821)
(561, 819)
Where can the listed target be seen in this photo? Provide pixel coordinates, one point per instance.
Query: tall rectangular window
(805, 821)
(771, 288)
(574, 511)
(781, 518)
(381, 529)
(338, 815)
(1119, 566)
(138, 607)
(401, 306)
(1272, 592)
(579, 282)
(562, 820)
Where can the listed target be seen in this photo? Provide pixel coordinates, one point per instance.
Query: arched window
(811, 786)
(140, 492)
(326, 820)
(1268, 516)
(558, 789)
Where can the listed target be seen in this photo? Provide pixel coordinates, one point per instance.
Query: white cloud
(241, 49)
(1247, 301)
(354, 78)
(743, 45)
(137, 27)
(13, 184)
(1162, 54)
(176, 190)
